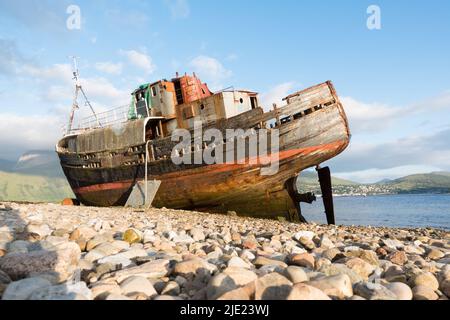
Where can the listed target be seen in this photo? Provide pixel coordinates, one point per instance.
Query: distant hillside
(6, 165)
(311, 177)
(22, 187)
(435, 182)
(308, 181)
(39, 162)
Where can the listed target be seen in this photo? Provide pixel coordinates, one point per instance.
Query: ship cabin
(182, 101)
(158, 109)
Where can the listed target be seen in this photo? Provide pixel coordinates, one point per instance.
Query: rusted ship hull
(306, 139)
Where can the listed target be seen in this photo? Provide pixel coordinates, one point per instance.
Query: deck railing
(102, 119)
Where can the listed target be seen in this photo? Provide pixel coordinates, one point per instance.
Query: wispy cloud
(210, 69)
(109, 67)
(139, 59)
(276, 94)
(179, 9)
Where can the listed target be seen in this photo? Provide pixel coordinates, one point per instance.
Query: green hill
(311, 178)
(436, 182)
(22, 187)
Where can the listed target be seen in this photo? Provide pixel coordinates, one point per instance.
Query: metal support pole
(146, 164)
(327, 193)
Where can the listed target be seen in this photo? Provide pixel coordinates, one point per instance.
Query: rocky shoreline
(48, 251)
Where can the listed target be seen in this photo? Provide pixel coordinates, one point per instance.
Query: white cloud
(60, 72)
(59, 87)
(276, 94)
(369, 117)
(20, 133)
(140, 60)
(103, 90)
(419, 150)
(211, 70)
(109, 67)
(179, 9)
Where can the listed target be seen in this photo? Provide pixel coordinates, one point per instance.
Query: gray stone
(66, 291)
(63, 261)
(123, 258)
(19, 246)
(152, 269)
(22, 289)
(373, 291)
(100, 251)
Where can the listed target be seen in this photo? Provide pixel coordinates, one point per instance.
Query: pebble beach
(55, 252)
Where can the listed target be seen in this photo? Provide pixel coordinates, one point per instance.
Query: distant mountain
(435, 182)
(22, 187)
(6, 165)
(311, 177)
(36, 176)
(39, 162)
(384, 181)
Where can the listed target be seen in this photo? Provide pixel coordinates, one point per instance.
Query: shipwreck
(109, 155)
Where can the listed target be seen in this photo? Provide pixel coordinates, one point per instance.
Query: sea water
(409, 210)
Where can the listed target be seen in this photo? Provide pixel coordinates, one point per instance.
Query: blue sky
(394, 82)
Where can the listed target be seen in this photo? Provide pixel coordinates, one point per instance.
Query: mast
(78, 88)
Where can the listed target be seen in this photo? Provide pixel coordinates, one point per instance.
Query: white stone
(304, 234)
(238, 262)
